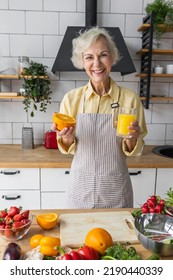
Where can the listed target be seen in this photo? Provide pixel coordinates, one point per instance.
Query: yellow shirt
(93, 103)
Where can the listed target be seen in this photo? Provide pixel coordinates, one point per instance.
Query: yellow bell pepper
(48, 245)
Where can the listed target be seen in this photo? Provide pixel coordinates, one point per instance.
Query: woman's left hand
(134, 130)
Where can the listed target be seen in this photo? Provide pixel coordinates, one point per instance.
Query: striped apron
(100, 177)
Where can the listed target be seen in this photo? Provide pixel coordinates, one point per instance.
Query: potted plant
(36, 88)
(163, 15)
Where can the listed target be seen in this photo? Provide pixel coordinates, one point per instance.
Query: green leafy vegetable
(121, 252)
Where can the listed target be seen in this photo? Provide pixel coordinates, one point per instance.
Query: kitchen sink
(165, 151)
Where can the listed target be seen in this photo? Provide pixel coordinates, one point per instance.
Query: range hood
(63, 60)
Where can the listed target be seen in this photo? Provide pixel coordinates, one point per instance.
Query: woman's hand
(67, 135)
(132, 135)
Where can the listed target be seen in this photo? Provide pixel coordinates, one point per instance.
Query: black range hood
(63, 60)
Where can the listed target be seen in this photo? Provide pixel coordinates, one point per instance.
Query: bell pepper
(73, 255)
(88, 253)
(49, 245)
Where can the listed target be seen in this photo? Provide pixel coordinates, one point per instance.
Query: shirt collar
(113, 92)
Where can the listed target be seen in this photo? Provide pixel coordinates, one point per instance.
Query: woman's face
(97, 61)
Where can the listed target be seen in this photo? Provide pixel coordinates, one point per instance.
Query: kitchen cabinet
(54, 183)
(143, 184)
(164, 181)
(20, 187)
(147, 52)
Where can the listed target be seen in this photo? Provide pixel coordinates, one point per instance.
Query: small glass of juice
(125, 117)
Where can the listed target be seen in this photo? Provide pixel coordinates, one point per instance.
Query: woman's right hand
(67, 135)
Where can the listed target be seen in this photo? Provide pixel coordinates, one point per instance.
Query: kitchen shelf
(15, 77)
(145, 26)
(156, 52)
(147, 52)
(158, 98)
(143, 75)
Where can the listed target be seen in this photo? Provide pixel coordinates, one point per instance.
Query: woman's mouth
(98, 71)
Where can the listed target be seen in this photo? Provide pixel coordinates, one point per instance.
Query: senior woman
(99, 171)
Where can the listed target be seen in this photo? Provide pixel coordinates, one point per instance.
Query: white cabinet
(143, 183)
(54, 183)
(164, 181)
(20, 187)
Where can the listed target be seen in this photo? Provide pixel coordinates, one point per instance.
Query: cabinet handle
(5, 172)
(67, 172)
(135, 173)
(11, 197)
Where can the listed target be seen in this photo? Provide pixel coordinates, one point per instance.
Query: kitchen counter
(35, 229)
(13, 156)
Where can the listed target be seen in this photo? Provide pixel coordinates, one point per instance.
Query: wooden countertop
(13, 156)
(35, 229)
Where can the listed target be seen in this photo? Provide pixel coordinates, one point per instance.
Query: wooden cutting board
(74, 227)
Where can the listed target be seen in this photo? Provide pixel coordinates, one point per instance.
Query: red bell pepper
(73, 255)
(88, 253)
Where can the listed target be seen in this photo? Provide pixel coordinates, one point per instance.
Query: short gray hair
(86, 39)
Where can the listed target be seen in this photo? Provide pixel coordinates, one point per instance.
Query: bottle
(23, 63)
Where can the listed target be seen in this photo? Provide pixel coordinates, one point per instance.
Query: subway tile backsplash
(36, 29)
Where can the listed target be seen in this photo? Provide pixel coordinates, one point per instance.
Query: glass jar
(23, 63)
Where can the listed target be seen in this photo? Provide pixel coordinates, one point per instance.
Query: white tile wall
(36, 29)
(25, 5)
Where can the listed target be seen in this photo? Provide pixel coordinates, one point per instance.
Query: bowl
(155, 232)
(17, 233)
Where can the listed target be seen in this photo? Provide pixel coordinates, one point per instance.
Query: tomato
(88, 253)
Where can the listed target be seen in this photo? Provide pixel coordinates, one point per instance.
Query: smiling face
(97, 62)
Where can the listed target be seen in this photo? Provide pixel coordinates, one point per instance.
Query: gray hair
(86, 39)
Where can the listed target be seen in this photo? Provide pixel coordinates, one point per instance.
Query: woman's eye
(104, 54)
(88, 58)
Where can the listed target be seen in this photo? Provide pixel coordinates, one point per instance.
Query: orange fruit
(62, 120)
(47, 221)
(48, 245)
(35, 240)
(99, 239)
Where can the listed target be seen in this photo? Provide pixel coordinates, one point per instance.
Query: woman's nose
(96, 61)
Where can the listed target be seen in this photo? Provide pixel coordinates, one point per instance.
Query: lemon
(47, 221)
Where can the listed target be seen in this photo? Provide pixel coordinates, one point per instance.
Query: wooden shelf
(156, 52)
(145, 26)
(158, 98)
(11, 97)
(141, 75)
(16, 77)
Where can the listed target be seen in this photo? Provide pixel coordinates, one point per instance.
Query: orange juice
(124, 121)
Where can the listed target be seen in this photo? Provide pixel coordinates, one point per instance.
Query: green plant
(163, 14)
(36, 88)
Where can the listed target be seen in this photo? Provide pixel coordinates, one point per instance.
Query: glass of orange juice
(125, 117)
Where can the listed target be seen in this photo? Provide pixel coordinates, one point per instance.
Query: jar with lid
(23, 63)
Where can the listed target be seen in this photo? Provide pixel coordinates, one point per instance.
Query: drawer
(26, 199)
(22, 178)
(53, 200)
(55, 179)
